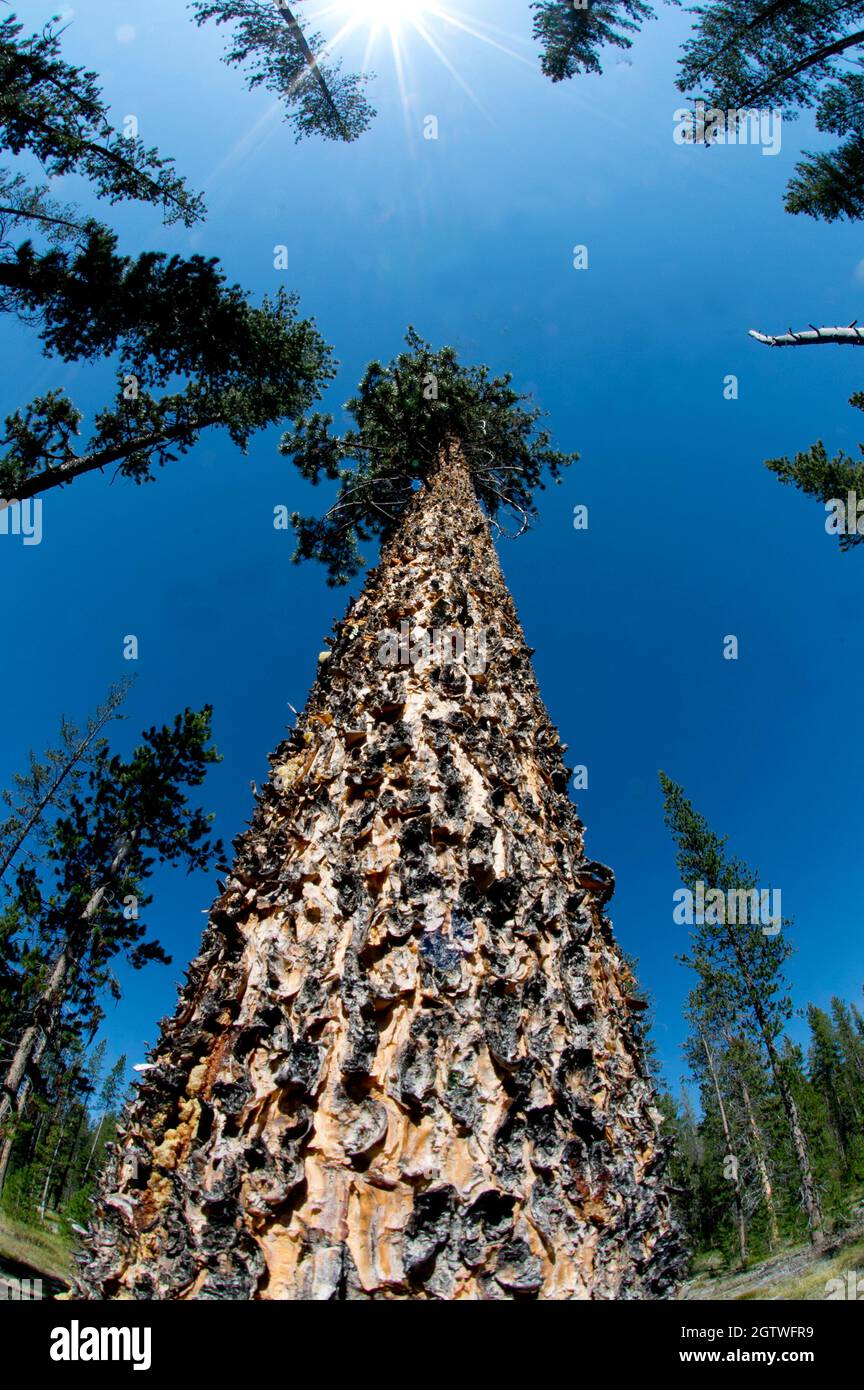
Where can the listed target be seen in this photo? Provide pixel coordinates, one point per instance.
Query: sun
(387, 14)
(405, 22)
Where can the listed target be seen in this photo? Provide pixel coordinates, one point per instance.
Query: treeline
(737, 1186)
(775, 1150)
(59, 1147)
(84, 828)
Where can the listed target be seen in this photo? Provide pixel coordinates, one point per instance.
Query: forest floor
(33, 1252)
(802, 1272)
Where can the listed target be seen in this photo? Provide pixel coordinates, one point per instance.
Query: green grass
(42, 1249)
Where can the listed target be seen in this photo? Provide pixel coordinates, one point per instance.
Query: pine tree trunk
(94, 1145)
(32, 817)
(762, 1166)
(312, 63)
(8, 1142)
(28, 1043)
(403, 1064)
(809, 1192)
(51, 999)
(740, 1220)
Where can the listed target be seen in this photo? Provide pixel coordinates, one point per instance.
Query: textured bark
(404, 1064)
(29, 1042)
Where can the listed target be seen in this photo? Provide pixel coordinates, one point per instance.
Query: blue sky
(471, 238)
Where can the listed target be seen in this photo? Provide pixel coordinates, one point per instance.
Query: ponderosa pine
(404, 1063)
(740, 967)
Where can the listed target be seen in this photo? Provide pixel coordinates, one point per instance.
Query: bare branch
(851, 336)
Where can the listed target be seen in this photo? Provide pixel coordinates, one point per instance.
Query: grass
(43, 1250)
(812, 1283)
(791, 1273)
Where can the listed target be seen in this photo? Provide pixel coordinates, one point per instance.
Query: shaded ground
(805, 1272)
(28, 1252)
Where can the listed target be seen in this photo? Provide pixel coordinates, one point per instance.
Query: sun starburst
(393, 15)
(401, 20)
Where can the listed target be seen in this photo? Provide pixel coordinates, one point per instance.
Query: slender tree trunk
(52, 995)
(29, 1040)
(21, 1099)
(312, 64)
(740, 1219)
(95, 1143)
(115, 698)
(44, 1202)
(809, 1194)
(762, 1166)
(403, 1065)
(63, 1176)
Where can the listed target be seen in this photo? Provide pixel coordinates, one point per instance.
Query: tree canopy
(404, 413)
(191, 352)
(814, 472)
(791, 54)
(107, 831)
(573, 37)
(269, 42)
(737, 963)
(55, 112)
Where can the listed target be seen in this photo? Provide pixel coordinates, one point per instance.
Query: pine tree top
(56, 112)
(404, 414)
(573, 36)
(270, 44)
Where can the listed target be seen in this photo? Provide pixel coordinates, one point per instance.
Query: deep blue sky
(470, 238)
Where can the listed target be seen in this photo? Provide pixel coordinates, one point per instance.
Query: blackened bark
(403, 1064)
